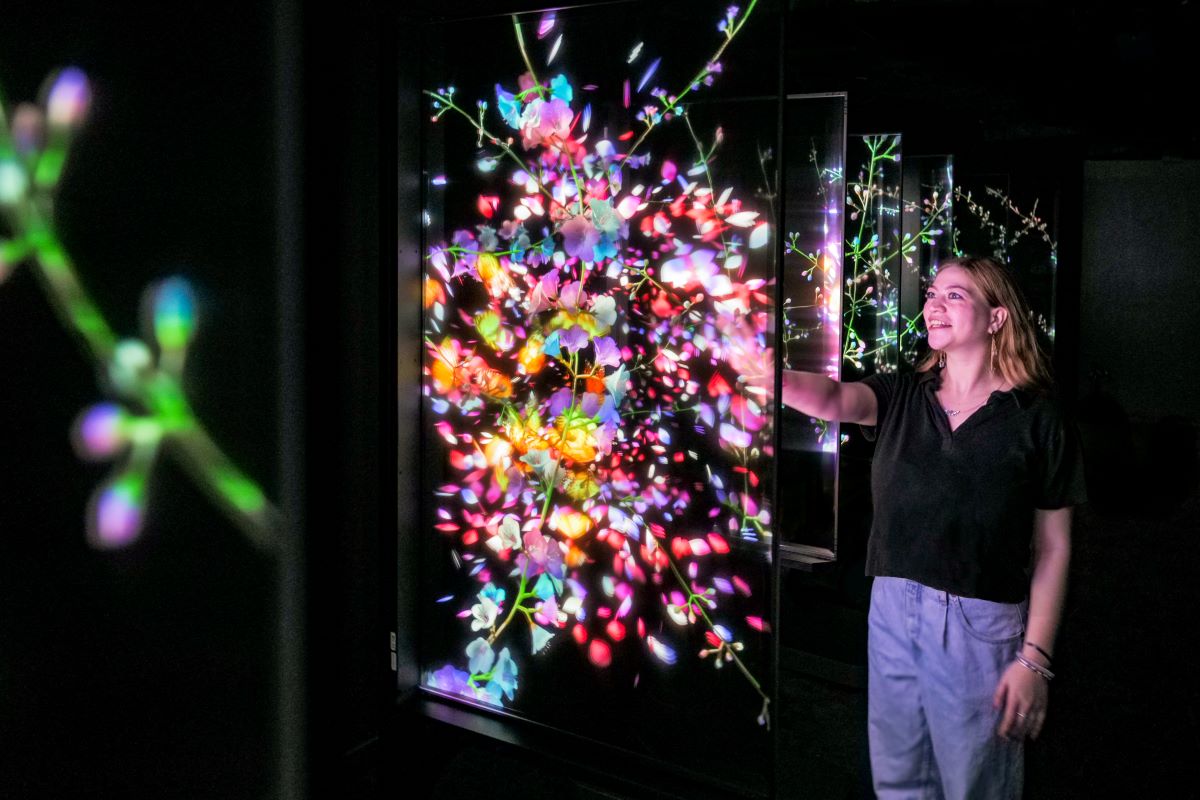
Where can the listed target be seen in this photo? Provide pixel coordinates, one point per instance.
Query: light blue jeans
(934, 660)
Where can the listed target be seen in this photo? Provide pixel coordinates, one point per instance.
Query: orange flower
(491, 382)
(524, 434)
(447, 358)
(433, 292)
(492, 273)
(575, 439)
(575, 557)
(531, 357)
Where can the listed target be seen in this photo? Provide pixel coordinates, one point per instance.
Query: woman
(973, 467)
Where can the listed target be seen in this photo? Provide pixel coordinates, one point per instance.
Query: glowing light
(118, 512)
(131, 365)
(649, 73)
(13, 181)
(599, 653)
(174, 314)
(101, 431)
(69, 98)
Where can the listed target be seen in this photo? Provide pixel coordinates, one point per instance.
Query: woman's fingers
(1011, 722)
(1039, 720)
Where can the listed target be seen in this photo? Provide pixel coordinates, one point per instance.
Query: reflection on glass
(1020, 232)
(815, 130)
(598, 298)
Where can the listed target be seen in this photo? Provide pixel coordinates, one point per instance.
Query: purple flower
(573, 338)
(589, 405)
(451, 680)
(579, 238)
(607, 353)
(559, 401)
(604, 434)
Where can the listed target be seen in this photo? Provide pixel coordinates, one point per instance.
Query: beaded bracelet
(1040, 650)
(1040, 670)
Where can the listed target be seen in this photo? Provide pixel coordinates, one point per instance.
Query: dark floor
(1124, 715)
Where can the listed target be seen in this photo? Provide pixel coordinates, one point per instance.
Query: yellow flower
(581, 486)
(571, 523)
(582, 319)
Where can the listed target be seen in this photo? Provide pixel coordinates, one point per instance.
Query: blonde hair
(1019, 359)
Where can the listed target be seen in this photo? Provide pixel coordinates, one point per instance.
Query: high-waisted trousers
(934, 661)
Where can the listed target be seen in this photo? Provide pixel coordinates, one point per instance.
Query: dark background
(250, 149)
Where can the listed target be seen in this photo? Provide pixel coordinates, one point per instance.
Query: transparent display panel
(599, 320)
(814, 215)
(927, 241)
(873, 256)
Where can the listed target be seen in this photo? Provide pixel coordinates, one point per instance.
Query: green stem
(238, 496)
(504, 148)
(673, 104)
(708, 621)
(521, 45)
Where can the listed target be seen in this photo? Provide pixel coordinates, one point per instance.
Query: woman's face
(956, 313)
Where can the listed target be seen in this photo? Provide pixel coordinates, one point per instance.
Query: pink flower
(545, 122)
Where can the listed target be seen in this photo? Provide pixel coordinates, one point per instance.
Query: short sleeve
(883, 384)
(1062, 479)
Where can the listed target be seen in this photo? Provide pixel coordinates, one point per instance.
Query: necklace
(955, 412)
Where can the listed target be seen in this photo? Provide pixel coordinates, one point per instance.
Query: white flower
(484, 613)
(510, 533)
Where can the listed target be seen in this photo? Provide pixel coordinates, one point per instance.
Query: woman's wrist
(1036, 654)
(1035, 668)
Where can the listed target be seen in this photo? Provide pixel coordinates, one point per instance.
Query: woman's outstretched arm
(825, 398)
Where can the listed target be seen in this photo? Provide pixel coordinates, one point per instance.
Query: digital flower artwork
(598, 357)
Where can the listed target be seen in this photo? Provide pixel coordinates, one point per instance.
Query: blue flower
(504, 674)
(509, 107)
(481, 656)
(560, 87)
(493, 593)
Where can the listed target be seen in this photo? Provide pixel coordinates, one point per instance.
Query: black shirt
(954, 509)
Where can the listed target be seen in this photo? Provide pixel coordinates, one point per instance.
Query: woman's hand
(1021, 691)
